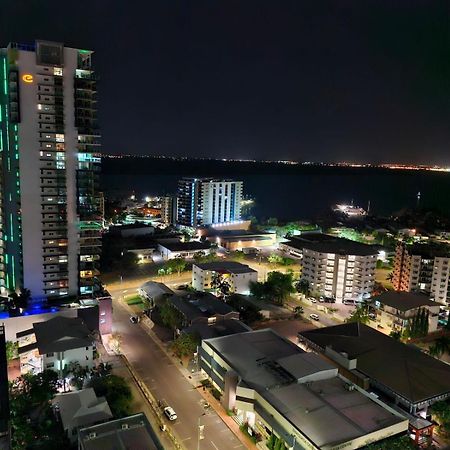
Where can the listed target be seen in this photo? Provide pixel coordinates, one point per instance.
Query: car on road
(134, 319)
(312, 300)
(170, 413)
(183, 287)
(372, 316)
(314, 317)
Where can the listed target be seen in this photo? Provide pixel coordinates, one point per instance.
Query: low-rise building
(396, 309)
(337, 267)
(274, 387)
(54, 344)
(79, 409)
(201, 308)
(423, 268)
(237, 275)
(402, 373)
(132, 230)
(132, 432)
(155, 292)
(178, 249)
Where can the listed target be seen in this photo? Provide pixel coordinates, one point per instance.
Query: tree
(276, 289)
(170, 316)
(418, 325)
(359, 314)
(186, 344)
(78, 374)
(102, 370)
(31, 413)
(395, 334)
(302, 286)
(440, 346)
(298, 311)
(237, 255)
(176, 265)
(116, 391)
(12, 350)
(393, 443)
(441, 412)
(220, 284)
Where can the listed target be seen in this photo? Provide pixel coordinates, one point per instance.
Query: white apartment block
(339, 268)
(221, 201)
(54, 344)
(238, 276)
(423, 268)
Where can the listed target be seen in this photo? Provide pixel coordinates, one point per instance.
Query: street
(168, 385)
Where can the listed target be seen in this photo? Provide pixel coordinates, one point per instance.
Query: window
(57, 71)
(50, 355)
(50, 366)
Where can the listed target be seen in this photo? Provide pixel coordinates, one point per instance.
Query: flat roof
(154, 288)
(429, 250)
(61, 333)
(132, 432)
(185, 246)
(223, 327)
(302, 387)
(198, 305)
(401, 368)
(225, 267)
(324, 243)
(404, 301)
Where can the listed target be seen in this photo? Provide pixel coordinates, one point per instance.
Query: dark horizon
(325, 81)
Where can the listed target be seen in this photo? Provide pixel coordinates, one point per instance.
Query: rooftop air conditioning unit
(125, 426)
(92, 435)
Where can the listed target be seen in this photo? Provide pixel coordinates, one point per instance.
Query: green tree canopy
(176, 265)
(170, 316)
(277, 288)
(116, 391)
(186, 344)
(359, 314)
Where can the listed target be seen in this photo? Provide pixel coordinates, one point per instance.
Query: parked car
(312, 300)
(330, 300)
(372, 316)
(314, 317)
(170, 413)
(134, 319)
(183, 287)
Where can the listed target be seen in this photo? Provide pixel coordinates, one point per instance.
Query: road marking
(186, 439)
(215, 446)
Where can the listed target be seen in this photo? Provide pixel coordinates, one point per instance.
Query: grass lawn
(135, 299)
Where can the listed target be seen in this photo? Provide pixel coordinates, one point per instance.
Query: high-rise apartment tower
(205, 201)
(51, 207)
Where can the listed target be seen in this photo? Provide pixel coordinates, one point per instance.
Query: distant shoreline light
(392, 166)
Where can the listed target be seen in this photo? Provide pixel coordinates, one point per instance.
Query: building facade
(169, 209)
(237, 276)
(51, 206)
(341, 270)
(274, 387)
(203, 201)
(422, 268)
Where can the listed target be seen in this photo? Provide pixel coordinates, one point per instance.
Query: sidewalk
(229, 421)
(194, 379)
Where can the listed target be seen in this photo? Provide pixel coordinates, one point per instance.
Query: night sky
(311, 80)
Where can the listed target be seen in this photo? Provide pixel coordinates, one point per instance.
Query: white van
(314, 316)
(170, 413)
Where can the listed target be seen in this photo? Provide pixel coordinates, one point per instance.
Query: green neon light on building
(5, 85)
(13, 272)
(11, 227)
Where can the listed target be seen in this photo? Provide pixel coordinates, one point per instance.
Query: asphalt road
(167, 384)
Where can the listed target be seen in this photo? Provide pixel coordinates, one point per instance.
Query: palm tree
(390, 276)
(440, 346)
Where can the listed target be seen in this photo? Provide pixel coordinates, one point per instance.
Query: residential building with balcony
(169, 209)
(337, 267)
(396, 309)
(238, 276)
(54, 344)
(423, 268)
(206, 201)
(274, 387)
(51, 207)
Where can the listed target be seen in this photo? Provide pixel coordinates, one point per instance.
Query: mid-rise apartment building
(169, 209)
(204, 201)
(338, 268)
(423, 268)
(51, 207)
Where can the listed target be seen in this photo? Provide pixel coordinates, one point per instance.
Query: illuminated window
(59, 138)
(39, 107)
(60, 165)
(57, 71)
